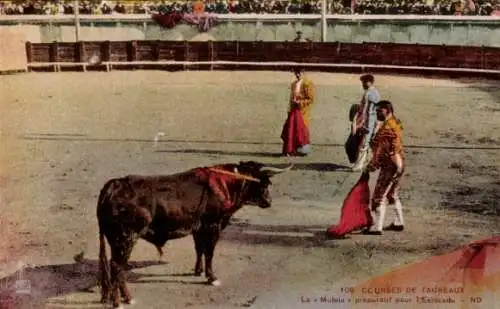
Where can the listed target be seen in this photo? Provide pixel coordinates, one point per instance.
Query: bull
(197, 202)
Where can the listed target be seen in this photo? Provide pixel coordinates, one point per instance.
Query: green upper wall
(450, 30)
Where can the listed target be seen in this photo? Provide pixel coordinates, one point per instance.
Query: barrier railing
(136, 53)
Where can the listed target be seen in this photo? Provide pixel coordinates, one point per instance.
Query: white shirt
(297, 87)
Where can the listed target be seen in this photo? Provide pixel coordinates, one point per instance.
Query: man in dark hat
(299, 38)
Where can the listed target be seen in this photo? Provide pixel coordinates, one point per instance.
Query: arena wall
(339, 57)
(250, 31)
(12, 49)
(457, 31)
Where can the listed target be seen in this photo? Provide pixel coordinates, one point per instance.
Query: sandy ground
(63, 135)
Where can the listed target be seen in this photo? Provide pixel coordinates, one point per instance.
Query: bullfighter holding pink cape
(388, 157)
(295, 134)
(355, 213)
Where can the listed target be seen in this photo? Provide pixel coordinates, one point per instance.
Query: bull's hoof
(214, 282)
(120, 306)
(198, 273)
(129, 302)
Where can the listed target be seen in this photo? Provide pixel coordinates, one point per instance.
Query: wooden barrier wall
(440, 56)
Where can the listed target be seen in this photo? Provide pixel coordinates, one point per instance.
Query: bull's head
(258, 193)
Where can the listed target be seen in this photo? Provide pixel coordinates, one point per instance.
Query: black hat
(367, 78)
(298, 69)
(385, 104)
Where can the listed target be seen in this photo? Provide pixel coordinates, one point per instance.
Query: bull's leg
(198, 244)
(210, 241)
(124, 290)
(160, 253)
(120, 256)
(115, 273)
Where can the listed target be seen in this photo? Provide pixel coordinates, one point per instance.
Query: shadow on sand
(277, 235)
(320, 167)
(315, 236)
(224, 152)
(58, 280)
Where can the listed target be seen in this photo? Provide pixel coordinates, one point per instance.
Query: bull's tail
(104, 269)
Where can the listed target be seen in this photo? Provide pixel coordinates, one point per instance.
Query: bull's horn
(275, 170)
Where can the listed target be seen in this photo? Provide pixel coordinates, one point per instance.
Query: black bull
(160, 208)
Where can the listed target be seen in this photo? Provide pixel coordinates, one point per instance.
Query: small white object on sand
(157, 138)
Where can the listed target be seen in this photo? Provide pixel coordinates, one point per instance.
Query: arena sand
(63, 135)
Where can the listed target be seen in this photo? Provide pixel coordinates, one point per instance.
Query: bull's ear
(272, 171)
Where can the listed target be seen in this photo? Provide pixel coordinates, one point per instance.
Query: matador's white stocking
(398, 210)
(381, 215)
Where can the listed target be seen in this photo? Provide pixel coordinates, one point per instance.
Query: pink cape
(169, 20)
(355, 211)
(295, 133)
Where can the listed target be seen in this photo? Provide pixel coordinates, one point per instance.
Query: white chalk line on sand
(157, 141)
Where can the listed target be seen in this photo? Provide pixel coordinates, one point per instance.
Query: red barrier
(391, 54)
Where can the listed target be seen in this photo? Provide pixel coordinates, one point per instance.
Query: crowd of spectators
(442, 7)
(392, 7)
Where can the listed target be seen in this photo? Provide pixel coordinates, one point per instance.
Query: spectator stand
(365, 7)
